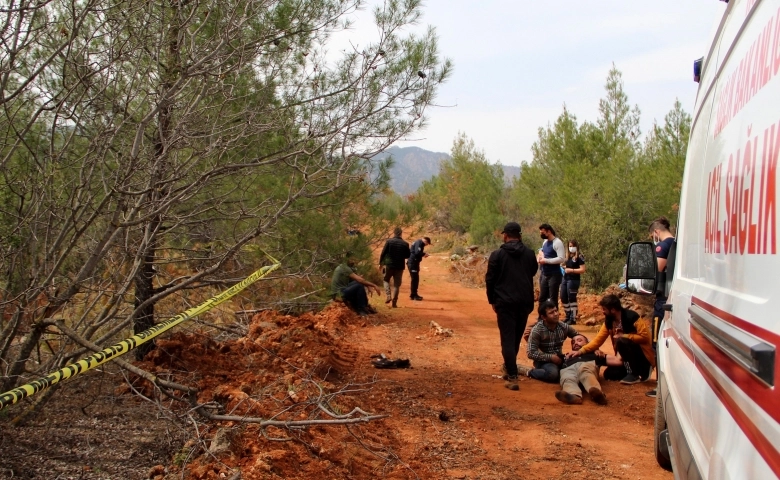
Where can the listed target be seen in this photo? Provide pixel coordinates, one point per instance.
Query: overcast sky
(518, 62)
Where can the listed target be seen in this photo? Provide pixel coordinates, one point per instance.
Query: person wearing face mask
(663, 240)
(551, 257)
(630, 337)
(574, 267)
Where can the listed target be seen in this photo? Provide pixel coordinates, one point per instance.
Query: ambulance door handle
(746, 350)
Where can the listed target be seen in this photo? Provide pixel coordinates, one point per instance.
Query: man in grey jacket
(510, 291)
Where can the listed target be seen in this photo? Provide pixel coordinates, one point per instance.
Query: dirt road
(490, 431)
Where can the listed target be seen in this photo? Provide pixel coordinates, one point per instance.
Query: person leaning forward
(545, 344)
(415, 257)
(631, 340)
(351, 287)
(393, 258)
(510, 291)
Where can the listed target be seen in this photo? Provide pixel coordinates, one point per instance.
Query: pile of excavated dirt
(285, 368)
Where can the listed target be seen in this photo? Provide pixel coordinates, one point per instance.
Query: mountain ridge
(414, 165)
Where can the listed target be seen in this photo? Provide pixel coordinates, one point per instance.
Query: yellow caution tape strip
(112, 352)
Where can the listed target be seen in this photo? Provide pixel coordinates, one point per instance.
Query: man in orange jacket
(631, 340)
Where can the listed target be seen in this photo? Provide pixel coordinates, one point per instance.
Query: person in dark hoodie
(510, 291)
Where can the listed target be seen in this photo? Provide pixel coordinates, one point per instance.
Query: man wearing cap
(415, 257)
(510, 291)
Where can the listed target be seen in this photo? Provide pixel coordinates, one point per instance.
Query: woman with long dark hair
(573, 268)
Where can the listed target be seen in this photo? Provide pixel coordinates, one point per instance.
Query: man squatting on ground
(631, 340)
(415, 257)
(393, 258)
(510, 291)
(351, 287)
(583, 369)
(545, 344)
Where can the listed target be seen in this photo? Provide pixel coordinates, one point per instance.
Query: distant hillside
(413, 165)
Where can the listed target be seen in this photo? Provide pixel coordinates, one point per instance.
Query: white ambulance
(718, 402)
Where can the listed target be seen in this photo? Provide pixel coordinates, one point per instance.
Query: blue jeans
(545, 371)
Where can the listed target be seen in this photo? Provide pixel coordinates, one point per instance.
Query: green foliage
(467, 194)
(150, 147)
(596, 183)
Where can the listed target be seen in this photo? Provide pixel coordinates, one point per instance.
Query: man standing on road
(630, 336)
(351, 287)
(552, 255)
(663, 241)
(545, 345)
(510, 291)
(392, 258)
(415, 257)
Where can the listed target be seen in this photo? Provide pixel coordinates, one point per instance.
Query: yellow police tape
(110, 353)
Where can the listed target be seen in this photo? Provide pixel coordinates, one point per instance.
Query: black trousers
(632, 354)
(355, 296)
(511, 324)
(415, 274)
(549, 287)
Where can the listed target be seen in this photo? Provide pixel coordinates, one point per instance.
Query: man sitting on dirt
(351, 287)
(631, 340)
(545, 344)
(583, 369)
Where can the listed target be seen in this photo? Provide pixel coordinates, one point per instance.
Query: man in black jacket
(392, 258)
(510, 291)
(415, 257)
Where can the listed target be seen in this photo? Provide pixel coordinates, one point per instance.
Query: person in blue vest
(550, 258)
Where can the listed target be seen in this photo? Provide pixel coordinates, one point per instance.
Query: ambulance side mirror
(641, 268)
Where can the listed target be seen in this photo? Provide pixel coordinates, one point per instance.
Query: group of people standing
(560, 271)
(510, 292)
(509, 282)
(396, 256)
